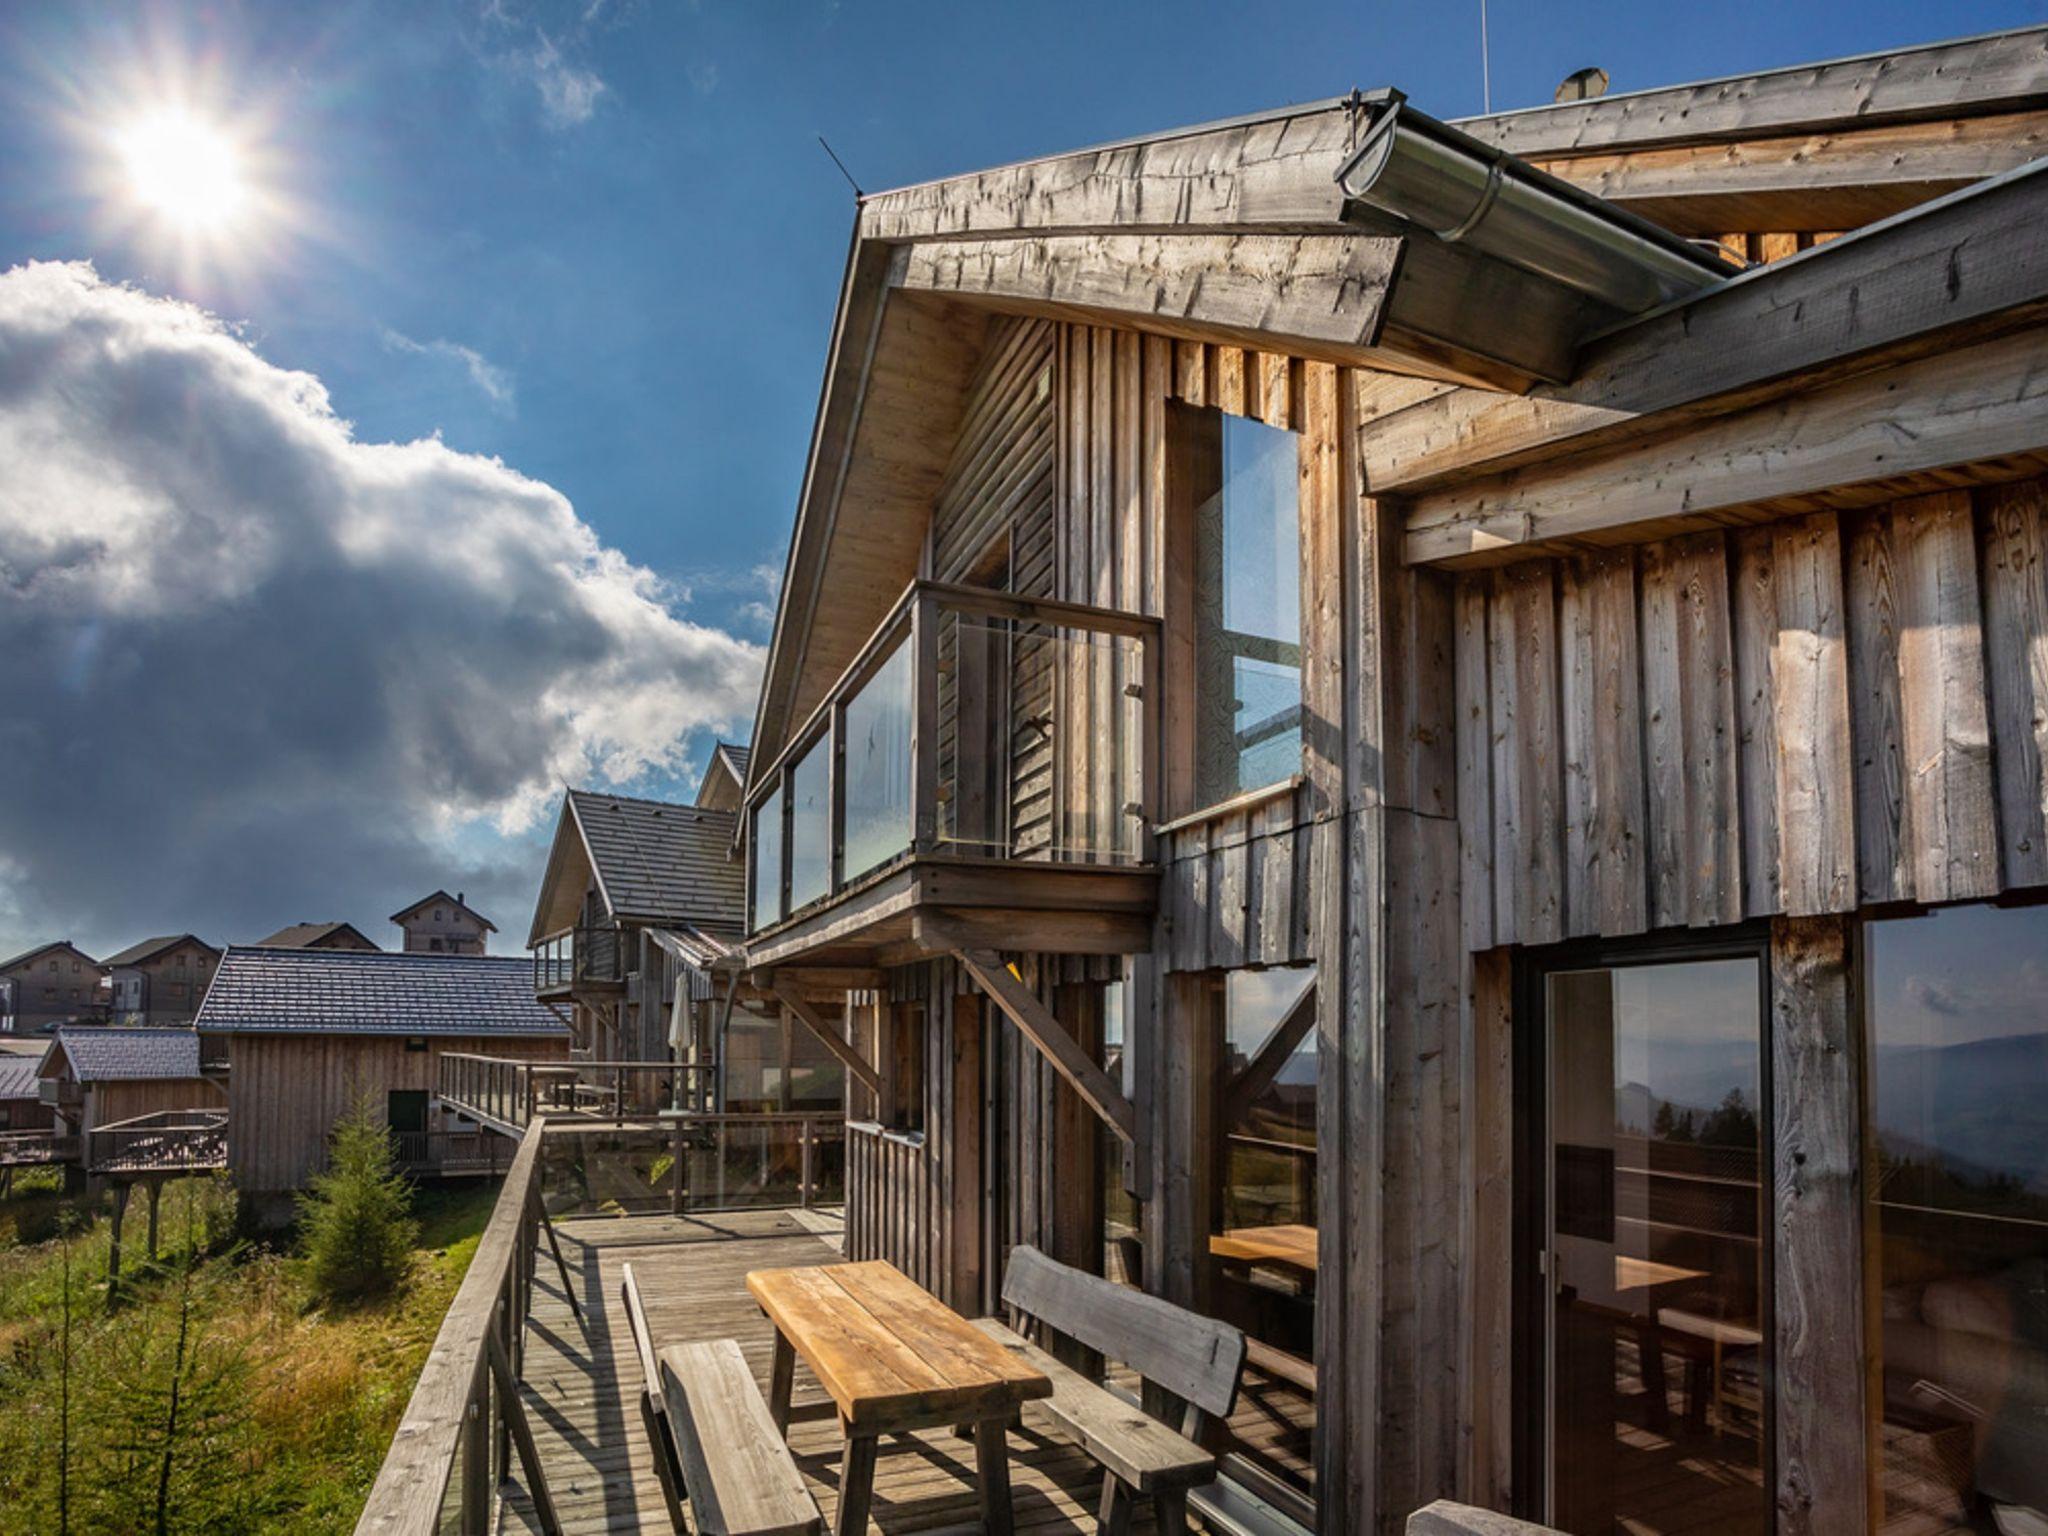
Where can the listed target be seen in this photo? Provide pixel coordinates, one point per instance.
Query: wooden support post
(121, 1191)
(675, 1173)
(156, 1191)
(1035, 1022)
(475, 1514)
(835, 1042)
(1824, 1463)
(514, 1417)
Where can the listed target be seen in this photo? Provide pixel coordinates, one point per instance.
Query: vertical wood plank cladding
(1754, 605)
(1602, 744)
(1953, 854)
(1817, 1179)
(1471, 602)
(1487, 1085)
(1227, 380)
(1882, 809)
(2013, 520)
(1189, 374)
(1322, 592)
(1689, 735)
(1528, 783)
(1813, 753)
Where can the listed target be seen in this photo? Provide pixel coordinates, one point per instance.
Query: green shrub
(355, 1222)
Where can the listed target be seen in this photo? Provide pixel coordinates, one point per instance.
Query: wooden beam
(799, 1006)
(1850, 444)
(1315, 296)
(2003, 72)
(1827, 180)
(1273, 1054)
(1079, 932)
(1035, 1022)
(1922, 285)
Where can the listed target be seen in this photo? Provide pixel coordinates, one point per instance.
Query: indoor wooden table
(893, 1357)
(1291, 1246)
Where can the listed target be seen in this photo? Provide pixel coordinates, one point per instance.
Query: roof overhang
(568, 874)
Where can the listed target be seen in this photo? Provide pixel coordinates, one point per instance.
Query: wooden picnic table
(893, 1358)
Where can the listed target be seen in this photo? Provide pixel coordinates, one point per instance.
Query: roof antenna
(1485, 65)
(858, 194)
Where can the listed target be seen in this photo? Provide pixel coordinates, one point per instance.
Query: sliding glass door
(1648, 1273)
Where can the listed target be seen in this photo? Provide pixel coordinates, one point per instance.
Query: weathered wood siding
(286, 1091)
(1835, 710)
(106, 1103)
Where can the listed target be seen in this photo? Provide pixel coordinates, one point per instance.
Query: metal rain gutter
(1429, 176)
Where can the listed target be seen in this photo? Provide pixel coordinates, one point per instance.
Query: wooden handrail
(460, 1407)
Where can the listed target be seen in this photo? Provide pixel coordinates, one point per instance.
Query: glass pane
(1263, 1248)
(1040, 746)
(1248, 614)
(810, 825)
(1958, 1089)
(877, 767)
(1122, 1251)
(1655, 1195)
(767, 846)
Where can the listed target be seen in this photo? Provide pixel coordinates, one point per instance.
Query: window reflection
(1958, 1094)
(877, 767)
(1262, 1249)
(1248, 614)
(767, 846)
(1123, 1257)
(810, 832)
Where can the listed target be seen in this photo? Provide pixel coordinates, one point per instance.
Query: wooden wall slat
(1882, 809)
(1754, 609)
(1602, 758)
(1472, 603)
(2013, 523)
(1812, 751)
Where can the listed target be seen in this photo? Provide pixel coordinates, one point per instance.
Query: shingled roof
(658, 862)
(18, 1076)
(373, 992)
(99, 1055)
(310, 935)
(135, 954)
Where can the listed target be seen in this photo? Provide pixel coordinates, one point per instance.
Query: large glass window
(877, 767)
(810, 825)
(1650, 1262)
(1957, 1084)
(1123, 1254)
(767, 846)
(1248, 614)
(1263, 1250)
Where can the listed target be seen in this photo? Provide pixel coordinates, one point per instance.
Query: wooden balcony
(587, 962)
(983, 775)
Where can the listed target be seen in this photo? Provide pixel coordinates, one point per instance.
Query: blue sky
(597, 240)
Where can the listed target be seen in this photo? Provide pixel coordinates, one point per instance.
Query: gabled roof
(373, 992)
(18, 1076)
(654, 862)
(724, 785)
(101, 1055)
(448, 901)
(308, 935)
(43, 949)
(149, 949)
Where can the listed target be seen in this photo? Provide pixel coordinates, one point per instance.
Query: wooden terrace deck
(580, 1382)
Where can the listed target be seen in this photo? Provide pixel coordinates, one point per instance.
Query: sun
(184, 170)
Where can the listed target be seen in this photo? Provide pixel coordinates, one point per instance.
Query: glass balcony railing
(973, 724)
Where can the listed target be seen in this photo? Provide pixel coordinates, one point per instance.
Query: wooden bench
(1194, 1359)
(714, 1444)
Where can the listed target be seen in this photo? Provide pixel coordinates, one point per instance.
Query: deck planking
(579, 1385)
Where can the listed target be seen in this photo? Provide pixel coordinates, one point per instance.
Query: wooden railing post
(476, 1457)
(803, 1186)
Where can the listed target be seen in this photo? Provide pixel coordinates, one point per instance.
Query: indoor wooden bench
(1195, 1360)
(714, 1444)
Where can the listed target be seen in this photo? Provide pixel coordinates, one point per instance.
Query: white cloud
(495, 382)
(569, 92)
(264, 671)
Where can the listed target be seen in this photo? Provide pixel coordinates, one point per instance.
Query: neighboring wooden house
(98, 1075)
(22, 1107)
(724, 785)
(1351, 705)
(308, 1033)
(52, 984)
(160, 981)
(441, 924)
(329, 935)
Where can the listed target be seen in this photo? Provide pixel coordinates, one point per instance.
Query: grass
(308, 1397)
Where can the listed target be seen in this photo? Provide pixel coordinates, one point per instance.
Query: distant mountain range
(1981, 1105)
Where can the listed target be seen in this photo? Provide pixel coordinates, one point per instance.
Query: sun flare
(184, 170)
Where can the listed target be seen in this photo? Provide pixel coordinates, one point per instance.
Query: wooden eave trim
(1990, 72)
(1963, 267)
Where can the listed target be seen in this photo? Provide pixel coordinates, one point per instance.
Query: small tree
(355, 1222)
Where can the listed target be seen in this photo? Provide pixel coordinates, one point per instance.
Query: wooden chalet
(1429, 739)
(306, 1034)
(160, 980)
(96, 1075)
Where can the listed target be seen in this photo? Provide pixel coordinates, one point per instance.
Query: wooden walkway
(692, 1272)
